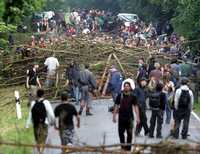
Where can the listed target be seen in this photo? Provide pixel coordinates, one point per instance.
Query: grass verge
(13, 130)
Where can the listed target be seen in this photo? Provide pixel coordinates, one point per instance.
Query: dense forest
(183, 14)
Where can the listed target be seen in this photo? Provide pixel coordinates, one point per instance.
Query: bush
(8, 28)
(3, 43)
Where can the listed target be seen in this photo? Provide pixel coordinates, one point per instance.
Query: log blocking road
(99, 129)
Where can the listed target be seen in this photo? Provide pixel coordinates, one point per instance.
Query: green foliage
(3, 43)
(111, 5)
(1, 9)
(16, 10)
(187, 21)
(8, 28)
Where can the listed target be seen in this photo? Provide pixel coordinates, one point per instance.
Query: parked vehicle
(127, 17)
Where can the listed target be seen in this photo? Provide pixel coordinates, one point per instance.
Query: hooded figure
(131, 81)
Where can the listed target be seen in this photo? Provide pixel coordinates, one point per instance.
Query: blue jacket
(141, 95)
(115, 82)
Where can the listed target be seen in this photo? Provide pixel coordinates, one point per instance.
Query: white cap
(131, 81)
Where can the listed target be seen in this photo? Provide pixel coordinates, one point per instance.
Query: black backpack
(184, 99)
(154, 99)
(39, 113)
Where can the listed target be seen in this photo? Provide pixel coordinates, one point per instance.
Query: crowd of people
(107, 27)
(164, 90)
(161, 89)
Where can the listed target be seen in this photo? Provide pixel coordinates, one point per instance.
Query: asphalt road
(99, 129)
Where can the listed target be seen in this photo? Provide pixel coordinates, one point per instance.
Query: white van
(127, 17)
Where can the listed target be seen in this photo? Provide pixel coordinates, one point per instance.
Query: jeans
(168, 112)
(76, 94)
(143, 122)
(51, 77)
(114, 96)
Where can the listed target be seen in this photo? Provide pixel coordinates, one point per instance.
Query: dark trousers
(125, 125)
(185, 116)
(156, 117)
(143, 122)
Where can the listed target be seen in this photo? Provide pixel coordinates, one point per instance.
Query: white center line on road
(196, 116)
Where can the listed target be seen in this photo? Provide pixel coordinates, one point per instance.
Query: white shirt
(178, 94)
(51, 63)
(50, 114)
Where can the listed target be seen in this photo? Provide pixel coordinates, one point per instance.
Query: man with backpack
(183, 103)
(157, 101)
(41, 114)
(124, 104)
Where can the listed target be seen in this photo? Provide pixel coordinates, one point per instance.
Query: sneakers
(159, 136)
(151, 136)
(88, 114)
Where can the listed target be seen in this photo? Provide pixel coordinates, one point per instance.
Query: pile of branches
(163, 147)
(81, 50)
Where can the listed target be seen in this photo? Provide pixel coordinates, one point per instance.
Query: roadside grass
(197, 107)
(13, 130)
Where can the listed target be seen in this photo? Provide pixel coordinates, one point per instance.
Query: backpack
(39, 113)
(184, 99)
(154, 100)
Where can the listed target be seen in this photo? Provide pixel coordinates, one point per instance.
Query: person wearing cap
(124, 105)
(32, 82)
(183, 102)
(141, 94)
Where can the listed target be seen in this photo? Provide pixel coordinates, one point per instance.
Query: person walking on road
(183, 103)
(87, 84)
(125, 103)
(64, 114)
(157, 101)
(42, 115)
(141, 94)
(73, 75)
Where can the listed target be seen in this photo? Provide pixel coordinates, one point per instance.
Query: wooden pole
(121, 67)
(104, 73)
(106, 85)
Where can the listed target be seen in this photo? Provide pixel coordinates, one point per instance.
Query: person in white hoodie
(183, 102)
(41, 114)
